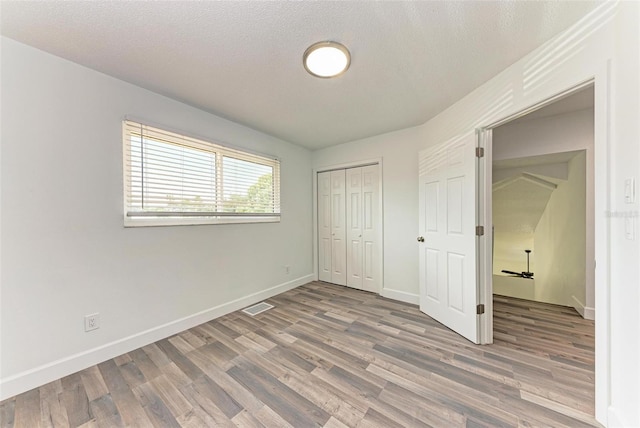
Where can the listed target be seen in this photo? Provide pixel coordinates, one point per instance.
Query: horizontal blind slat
(197, 214)
(170, 173)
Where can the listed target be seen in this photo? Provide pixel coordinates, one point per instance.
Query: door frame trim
(484, 244)
(601, 80)
(314, 220)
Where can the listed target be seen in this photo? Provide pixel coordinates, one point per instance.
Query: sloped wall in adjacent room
(560, 241)
(539, 149)
(518, 204)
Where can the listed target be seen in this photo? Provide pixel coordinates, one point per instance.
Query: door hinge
(479, 152)
(480, 309)
(479, 230)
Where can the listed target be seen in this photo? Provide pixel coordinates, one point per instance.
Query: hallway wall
(560, 242)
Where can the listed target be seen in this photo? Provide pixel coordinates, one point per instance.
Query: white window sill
(194, 221)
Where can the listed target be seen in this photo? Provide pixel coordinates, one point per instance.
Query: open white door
(448, 251)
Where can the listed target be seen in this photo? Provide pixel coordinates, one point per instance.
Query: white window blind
(176, 179)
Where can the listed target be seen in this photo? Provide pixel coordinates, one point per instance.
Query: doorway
(539, 228)
(543, 204)
(541, 194)
(479, 316)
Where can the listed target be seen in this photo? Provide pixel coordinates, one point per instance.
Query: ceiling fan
(526, 274)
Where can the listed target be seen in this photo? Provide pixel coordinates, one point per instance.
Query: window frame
(187, 218)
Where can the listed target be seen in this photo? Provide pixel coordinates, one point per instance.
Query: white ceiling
(243, 60)
(581, 100)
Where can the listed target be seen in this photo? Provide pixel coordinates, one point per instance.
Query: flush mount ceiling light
(326, 59)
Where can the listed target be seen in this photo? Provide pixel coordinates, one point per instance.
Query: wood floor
(334, 357)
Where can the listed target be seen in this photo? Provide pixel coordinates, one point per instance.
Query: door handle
(420, 239)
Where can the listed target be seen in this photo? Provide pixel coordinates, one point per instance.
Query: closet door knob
(420, 239)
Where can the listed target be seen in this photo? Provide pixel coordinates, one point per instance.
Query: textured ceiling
(242, 60)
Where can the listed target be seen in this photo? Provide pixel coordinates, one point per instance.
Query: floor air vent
(257, 308)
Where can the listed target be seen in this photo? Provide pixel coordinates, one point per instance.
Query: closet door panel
(324, 226)
(349, 228)
(354, 227)
(338, 228)
(371, 225)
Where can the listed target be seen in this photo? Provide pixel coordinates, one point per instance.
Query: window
(172, 179)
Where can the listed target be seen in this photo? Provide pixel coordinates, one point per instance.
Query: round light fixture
(326, 59)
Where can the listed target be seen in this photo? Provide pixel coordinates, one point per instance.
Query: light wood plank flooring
(334, 357)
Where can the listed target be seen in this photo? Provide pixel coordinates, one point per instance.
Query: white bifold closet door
(349, 227)
(331, 227)
(362, 215)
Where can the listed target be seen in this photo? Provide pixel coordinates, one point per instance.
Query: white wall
(65, 252)
(509, 252)
(552, 134)
(513, 286)
(399, 151)
(560, 242)
(605, 46)
(517, 206)
(625, 269)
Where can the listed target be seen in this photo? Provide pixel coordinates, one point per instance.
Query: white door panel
(370, 262)
(354, 232)
(324, 226)
(350, 227)
(455, 284)
(337, 261)
(338, 229)
(447, 203)
(325, 257)
(431, 265)
(354, 264)
(371, 229)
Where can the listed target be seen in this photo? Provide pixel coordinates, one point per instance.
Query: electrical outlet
(91, 322)
(287, 269)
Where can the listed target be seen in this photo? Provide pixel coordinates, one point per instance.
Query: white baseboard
(614, 420)
(402, 296)
(33, 378)
(587, 312)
